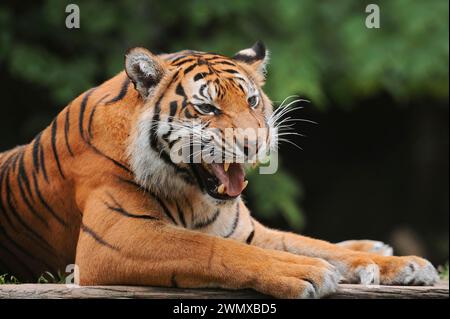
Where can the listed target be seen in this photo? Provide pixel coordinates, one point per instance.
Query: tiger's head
(199, 103)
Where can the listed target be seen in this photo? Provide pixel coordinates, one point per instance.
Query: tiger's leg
(126, 239)
(369, 246)
(354, 266)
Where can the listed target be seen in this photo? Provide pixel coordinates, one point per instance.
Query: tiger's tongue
(233, 179)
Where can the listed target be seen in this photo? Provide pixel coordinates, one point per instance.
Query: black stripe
(156, 118)
(93, 147)
(190, 68)
(82, 110)
(202, 88)
(181, 216)
(250, 237)
(203, 62)
(230, 71)
(154, 128)
(235, 222)
(55, 151)
(215, 56)
(44, 203)
(189, 115)
(200, 76)
(16, 158)
(5, 172)
(180, 90)
(35, 152)
(252, 233)
(181, 62)
(207, 222)
(28, 204)
(166, 211)
(182, 171)
(218, 62)
(198, 178)
(22, 174)
(130, 182)
(172, 143)
(240, 87)
(173, 79)
(160, 202)
(115, 162)
(96, 237)
(8, 203)
(42, 162)
(178, 58)
(173, 110)
(195, 96)
(90, 121)
(66, 130)
(119, 209)
(91, 116)
(122, 93)
(123, 212)
(87, 141)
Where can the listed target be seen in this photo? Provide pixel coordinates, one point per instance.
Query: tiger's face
(204, 118)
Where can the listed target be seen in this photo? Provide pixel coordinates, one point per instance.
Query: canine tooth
(221, 189)
(245, 184)
(226, 166)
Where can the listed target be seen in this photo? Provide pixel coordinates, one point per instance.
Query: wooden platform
(50, 291)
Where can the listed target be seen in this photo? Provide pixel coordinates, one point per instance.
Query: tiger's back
(40, 217)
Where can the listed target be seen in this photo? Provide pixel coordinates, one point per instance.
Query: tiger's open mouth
(221, 180)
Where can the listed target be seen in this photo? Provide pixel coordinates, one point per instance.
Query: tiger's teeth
(245, 185)
(221, 189)
(226, 166)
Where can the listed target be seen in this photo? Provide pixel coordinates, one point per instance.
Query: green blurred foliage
(319, 49)
(45, 278)
(277, 193)
(443, 271)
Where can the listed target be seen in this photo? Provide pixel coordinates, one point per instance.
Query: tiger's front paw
(356, 269)
(388, 270)
(298, 277)
(407, 270)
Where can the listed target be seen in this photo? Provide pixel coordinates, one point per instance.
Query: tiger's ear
(144, 69)
(256, 57)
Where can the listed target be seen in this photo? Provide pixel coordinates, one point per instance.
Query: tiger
(98, 188)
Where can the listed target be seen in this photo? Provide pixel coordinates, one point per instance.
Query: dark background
(376, 164)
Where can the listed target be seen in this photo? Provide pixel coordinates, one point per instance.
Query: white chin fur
(149, 168)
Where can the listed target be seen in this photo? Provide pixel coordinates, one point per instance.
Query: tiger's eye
(253, 101)
(206, 108)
